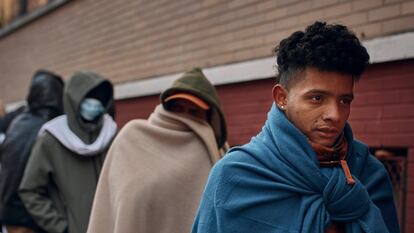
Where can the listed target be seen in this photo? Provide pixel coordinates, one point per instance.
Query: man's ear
(280, 95)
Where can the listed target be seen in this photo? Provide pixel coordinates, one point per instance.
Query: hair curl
(327, 47)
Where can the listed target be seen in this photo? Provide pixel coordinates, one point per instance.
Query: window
(16, 13)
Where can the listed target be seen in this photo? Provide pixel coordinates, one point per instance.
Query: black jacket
(8, 118)
(44, 103)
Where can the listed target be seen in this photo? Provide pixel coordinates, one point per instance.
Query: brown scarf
(334, 156)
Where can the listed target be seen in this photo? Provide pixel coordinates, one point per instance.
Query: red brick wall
(409, 226)
(130, 40)
(382, 113)
(245, 106)
(136, 108)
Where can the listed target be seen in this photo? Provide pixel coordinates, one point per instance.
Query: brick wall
(245, 114)
(409, 227)
(382, 114)
(129, 40)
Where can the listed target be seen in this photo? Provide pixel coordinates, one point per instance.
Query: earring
(282, 107)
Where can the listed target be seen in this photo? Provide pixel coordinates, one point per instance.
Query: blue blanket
(274, 184)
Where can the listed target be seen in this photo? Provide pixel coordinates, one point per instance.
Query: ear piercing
(282, 107)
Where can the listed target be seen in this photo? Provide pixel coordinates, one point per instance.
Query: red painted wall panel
(245, 106)
(382, 113)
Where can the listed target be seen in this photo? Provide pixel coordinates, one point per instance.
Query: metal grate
(395, 162)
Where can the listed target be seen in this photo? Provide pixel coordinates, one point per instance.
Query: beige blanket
(154, 175)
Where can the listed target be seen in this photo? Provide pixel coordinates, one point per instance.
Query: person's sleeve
(205, 220)
(8, 118)
(34, 193)
(2, 125)
(102, 218)
(379, 187)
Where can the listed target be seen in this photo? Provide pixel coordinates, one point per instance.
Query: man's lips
(328, 132)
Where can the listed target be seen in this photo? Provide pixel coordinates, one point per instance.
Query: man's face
(318, 104)
(189, 108)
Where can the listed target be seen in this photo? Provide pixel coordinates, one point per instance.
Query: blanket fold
(154, 175)
(275, 183)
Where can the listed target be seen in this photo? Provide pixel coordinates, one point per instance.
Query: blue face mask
(91, 109)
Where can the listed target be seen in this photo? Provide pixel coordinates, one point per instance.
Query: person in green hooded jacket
(156, 169)
(61, 175)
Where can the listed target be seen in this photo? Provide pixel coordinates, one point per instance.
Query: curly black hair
(327, 47)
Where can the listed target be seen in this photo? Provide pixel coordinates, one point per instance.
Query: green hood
(80, 85)
(195, 82)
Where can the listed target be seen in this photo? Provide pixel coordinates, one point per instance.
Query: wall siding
(382, 114)
(130, 40)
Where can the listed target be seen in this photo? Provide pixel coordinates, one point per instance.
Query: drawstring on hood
(195, 82)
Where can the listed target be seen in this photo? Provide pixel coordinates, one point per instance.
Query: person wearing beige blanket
(156, 169)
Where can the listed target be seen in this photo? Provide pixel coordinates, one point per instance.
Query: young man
(44, 103)
(304, 172)
(156, 169)
(61, 175)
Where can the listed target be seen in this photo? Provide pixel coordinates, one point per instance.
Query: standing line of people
(53, 153)
(65, 168)
(61, 161)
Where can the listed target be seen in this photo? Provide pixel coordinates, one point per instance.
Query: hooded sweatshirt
(59, 182)
(156, 169)
(195, 82)
(44, 103)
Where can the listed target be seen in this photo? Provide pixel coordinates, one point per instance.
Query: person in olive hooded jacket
(44, 103)
(156, 169)
(63, 170)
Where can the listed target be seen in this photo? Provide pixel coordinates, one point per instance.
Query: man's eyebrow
(322, 92)
(350, 96)
(316, 91)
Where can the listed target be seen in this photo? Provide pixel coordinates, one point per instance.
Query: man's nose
(332, 112)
